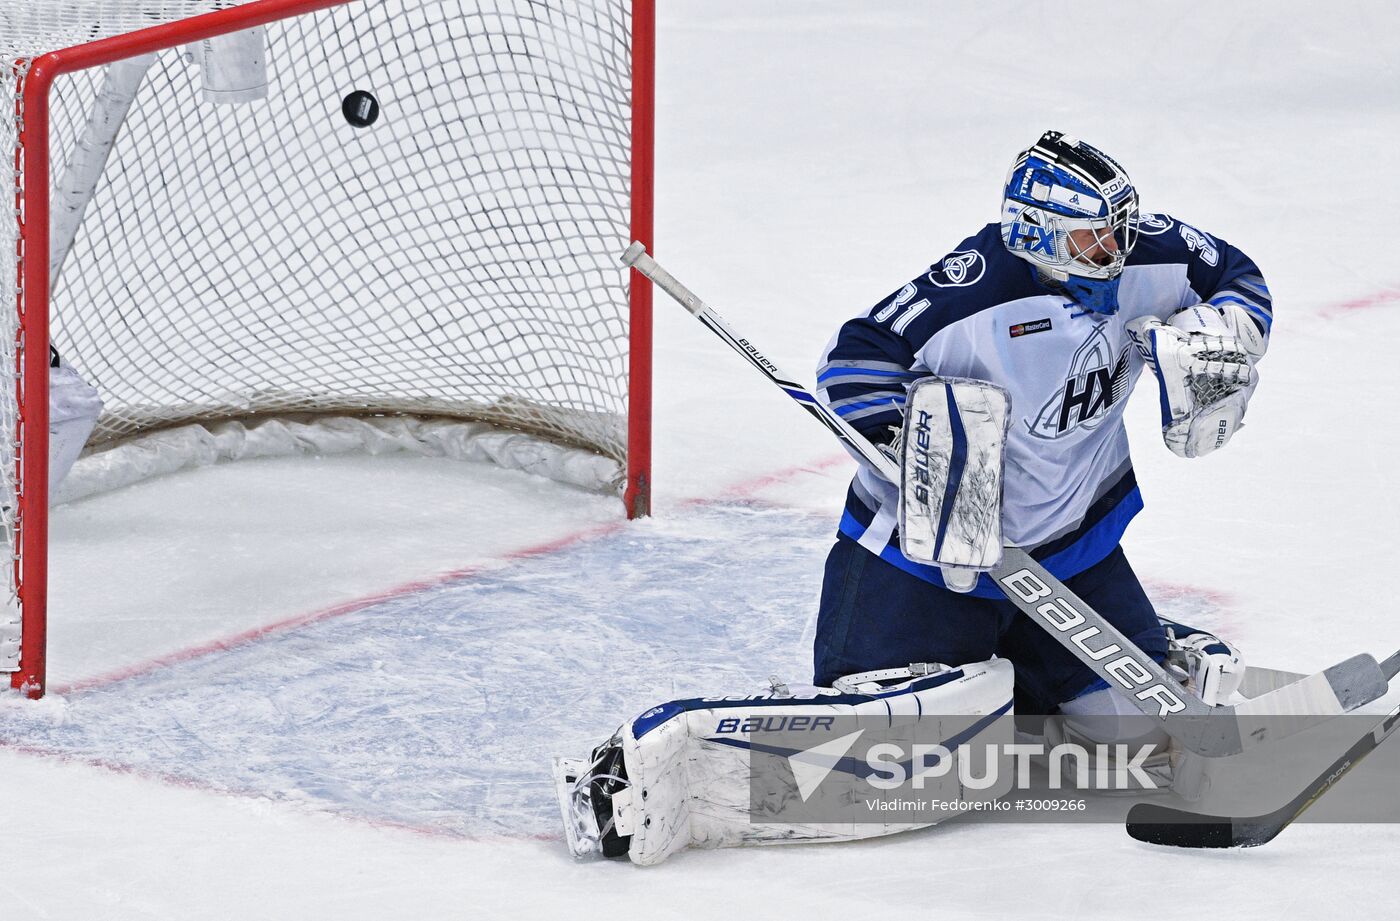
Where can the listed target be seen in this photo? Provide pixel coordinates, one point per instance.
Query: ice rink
(328, 688)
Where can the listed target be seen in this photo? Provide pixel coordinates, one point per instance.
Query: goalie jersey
(983, 313)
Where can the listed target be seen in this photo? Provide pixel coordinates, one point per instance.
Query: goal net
(366, 210)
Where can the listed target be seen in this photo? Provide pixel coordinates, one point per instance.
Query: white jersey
(982, 313)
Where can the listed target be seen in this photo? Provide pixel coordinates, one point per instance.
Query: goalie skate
(580, 828)
(585, 791)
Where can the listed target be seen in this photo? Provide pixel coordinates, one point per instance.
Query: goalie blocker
(951, 466)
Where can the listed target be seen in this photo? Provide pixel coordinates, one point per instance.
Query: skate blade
(579, 834)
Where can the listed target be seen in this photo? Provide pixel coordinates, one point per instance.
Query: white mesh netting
(457, 258)
(32, 27)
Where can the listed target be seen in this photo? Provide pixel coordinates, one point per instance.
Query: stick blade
(1154, 824)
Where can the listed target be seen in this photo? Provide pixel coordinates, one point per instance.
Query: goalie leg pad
(687, 763)
(951, 467)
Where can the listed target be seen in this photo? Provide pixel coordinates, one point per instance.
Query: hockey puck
(360, 109)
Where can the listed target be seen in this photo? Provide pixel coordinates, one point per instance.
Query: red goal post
(580, 403)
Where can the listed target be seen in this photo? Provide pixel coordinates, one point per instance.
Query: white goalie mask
(1071, 211)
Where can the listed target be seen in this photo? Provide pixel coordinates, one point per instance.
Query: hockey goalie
(977, 570)
(747, 769)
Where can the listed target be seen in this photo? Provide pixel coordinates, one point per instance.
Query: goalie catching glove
(1204, 364)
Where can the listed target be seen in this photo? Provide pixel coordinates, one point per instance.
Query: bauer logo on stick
(1125, 667)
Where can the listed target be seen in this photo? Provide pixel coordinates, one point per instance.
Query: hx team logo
(1097, 381)
(1031, 238)
(1034, 326)
(959, 269)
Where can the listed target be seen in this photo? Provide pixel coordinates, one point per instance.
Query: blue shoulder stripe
(1254, 310)
(870, 407)
(851, 375)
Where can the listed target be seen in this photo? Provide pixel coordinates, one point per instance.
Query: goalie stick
(1156, 824)
(1209, 731)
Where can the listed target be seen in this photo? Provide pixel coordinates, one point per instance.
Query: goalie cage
(215, 256)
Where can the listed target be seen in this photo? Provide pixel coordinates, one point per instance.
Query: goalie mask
(1071, 211)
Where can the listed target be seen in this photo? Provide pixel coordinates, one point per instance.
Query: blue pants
(874, 615)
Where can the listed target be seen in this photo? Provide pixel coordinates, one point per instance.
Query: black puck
(360, 109)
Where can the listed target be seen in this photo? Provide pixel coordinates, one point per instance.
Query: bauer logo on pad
(1034, 326)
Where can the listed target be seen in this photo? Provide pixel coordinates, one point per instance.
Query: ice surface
(811, 156)
(440, 708)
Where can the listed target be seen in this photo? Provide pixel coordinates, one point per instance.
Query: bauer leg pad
(681, 774)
